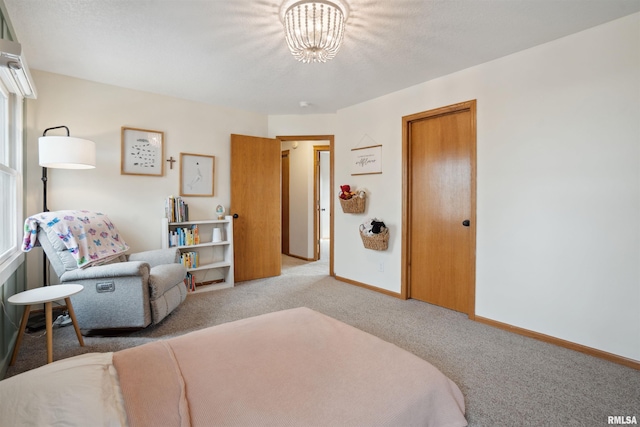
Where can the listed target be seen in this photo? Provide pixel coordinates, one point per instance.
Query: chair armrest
(157, 256)
(119, 269)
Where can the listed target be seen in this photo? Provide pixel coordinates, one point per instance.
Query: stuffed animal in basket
(377, 226)
(346, 193)
(372, 226)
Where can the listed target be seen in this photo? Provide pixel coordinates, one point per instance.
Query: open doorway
(284, 182)
(322, 197)
(307, 195)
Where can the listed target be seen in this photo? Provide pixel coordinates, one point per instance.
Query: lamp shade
(66, 152)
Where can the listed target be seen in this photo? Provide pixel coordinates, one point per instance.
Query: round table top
(45, 294)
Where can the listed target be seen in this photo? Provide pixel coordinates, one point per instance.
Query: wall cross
(171, 160)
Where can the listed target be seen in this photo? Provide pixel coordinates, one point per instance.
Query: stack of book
(176, 210)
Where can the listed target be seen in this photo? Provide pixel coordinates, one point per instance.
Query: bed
(295, 367)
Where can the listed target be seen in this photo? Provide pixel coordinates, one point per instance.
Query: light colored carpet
(507, 379)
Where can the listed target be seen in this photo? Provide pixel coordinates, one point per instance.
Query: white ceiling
(232, 53)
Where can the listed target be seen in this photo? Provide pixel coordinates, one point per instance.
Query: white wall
(558, 192)
(134, 203)
(309, 124)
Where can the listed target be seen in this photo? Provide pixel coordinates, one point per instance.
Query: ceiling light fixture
(314, 28)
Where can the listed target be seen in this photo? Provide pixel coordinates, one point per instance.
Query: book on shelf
(192, 285)
(190, 282)
(190, 259)
(184, 236)
(175, 209)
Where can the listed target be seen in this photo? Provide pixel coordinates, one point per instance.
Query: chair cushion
(164, 277)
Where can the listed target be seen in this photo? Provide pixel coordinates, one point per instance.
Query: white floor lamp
(62, 152)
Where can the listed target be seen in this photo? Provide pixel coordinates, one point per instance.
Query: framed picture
(196, 174)
(142, 152)
(366, 160)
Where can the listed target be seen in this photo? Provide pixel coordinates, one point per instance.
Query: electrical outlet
(381, 267)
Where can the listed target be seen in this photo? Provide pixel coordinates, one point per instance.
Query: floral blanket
(90, 237)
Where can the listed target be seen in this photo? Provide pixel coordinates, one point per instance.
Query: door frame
(329, 138)
(405, 292)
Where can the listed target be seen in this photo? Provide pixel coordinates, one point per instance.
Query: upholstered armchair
(120, 291)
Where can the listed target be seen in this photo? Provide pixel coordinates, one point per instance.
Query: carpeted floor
(507, 379)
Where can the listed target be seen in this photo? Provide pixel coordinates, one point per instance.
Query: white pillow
(78, 391)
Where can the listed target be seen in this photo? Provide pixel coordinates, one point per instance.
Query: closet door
(441, 206)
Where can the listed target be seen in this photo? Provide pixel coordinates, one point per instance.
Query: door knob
(466, 223)
(235, 216)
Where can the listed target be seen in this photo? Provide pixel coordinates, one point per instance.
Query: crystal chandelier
(314, 28)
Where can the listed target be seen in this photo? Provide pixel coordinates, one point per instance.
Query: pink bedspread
(290, 368)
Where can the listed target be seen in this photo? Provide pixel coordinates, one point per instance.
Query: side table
(46, 295)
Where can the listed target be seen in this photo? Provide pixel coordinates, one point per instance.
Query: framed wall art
(196, 174)
(142, 152)
(366, 160)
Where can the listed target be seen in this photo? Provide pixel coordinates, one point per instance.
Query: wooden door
(440, 151)
(255, 200)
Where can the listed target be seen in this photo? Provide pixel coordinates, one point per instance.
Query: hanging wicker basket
(353, 205)
(378, 242)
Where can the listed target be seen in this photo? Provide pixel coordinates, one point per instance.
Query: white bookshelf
(215, 267)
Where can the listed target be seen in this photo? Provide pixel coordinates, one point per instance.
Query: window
(10, 177)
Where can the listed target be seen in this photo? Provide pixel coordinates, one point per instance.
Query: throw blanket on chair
(89, 236)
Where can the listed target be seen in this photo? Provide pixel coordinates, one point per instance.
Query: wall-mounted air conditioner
(13, 64)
